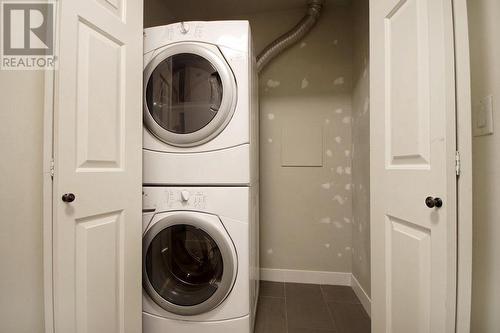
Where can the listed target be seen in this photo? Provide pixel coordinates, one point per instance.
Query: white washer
(200, 259)
(200, 104)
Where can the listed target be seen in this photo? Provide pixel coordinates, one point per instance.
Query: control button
(185, 196)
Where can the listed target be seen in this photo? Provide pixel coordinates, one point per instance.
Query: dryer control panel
(184, 30)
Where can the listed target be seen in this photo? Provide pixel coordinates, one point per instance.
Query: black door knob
(68, 197)
(433, 202)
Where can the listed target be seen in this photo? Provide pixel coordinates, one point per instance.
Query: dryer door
(189, 263)
(189, 94)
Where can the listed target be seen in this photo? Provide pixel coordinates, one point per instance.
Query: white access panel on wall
(98, 167)
(413, 140)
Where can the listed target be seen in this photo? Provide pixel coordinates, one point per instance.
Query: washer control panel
(168, 199)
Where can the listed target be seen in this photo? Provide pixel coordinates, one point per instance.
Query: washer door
(189, 263)
(189, 94)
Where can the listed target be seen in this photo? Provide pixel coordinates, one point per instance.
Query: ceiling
(208, 9)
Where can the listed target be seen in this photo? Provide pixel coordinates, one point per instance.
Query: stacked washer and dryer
(201, 180)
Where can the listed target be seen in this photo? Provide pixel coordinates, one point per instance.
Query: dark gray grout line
(286, 311)
(275, 297)
(330, 314)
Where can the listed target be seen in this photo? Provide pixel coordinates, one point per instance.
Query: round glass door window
(184, 265)
(186, 270)
(190, 95)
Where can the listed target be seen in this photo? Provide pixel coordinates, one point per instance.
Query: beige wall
(485, 61)
(306, 213)
(21, 272)
(361, 146)
(157, 12)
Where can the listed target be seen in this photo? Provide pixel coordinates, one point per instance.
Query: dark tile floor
(309, 308)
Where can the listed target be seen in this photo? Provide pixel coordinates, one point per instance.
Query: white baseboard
(318, 277)
(314, 277)
(362, 295)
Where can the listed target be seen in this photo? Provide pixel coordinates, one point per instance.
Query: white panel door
(97, 148)
(413, 137)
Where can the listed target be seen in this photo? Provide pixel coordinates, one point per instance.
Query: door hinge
(457, 163)
(52, 168)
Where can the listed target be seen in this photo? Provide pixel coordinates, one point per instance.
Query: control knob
(185, 196)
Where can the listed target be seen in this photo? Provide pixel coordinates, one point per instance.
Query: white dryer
(200, 104)
(200, 259)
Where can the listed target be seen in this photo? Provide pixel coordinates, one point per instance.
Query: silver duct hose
(293, 36)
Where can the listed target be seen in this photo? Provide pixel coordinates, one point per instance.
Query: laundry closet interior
(314, 136)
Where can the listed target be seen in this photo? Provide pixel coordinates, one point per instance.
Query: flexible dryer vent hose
(293, 36)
